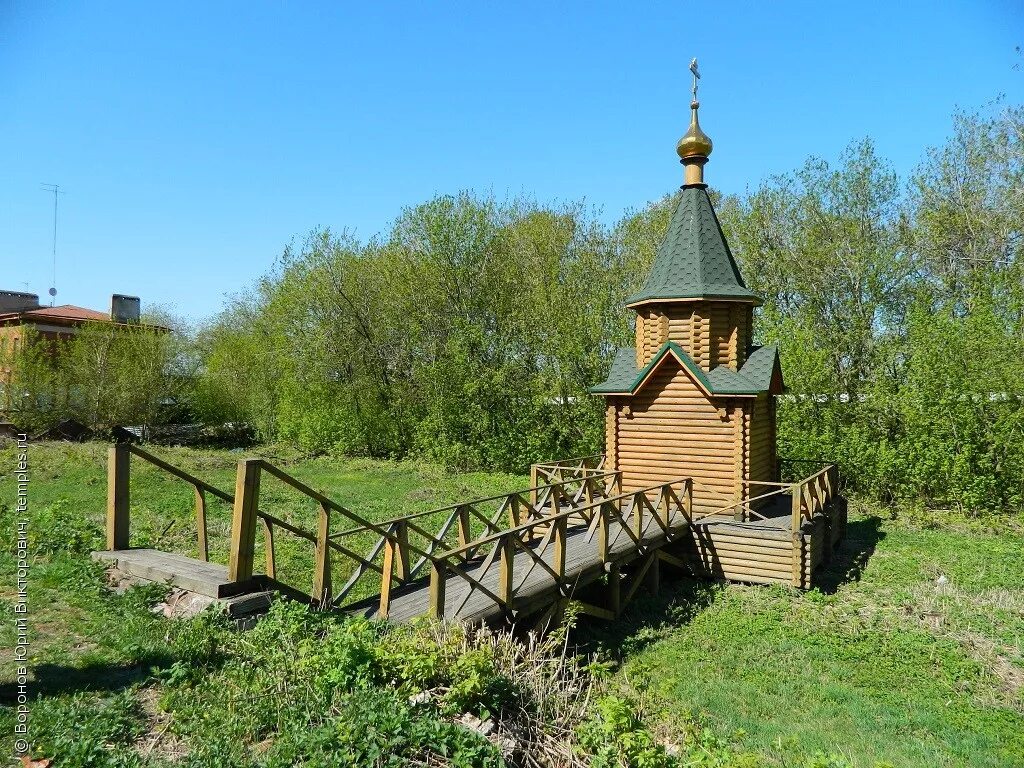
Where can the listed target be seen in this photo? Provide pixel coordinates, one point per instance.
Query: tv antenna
(55, 188)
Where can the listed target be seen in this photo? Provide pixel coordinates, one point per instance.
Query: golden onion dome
(695, 143)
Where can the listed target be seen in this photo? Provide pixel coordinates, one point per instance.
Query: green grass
(883, 666)
(888, 667)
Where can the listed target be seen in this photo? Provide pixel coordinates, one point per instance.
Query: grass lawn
(884, 666)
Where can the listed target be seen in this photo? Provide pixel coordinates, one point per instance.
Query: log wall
(763, 555)
(761, 446)
(713, 333)
(673, 431)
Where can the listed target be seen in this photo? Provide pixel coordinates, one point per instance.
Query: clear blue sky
(196, 139)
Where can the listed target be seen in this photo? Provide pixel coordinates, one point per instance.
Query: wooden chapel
(694, 398)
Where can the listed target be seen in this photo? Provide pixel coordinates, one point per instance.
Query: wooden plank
(779, 566)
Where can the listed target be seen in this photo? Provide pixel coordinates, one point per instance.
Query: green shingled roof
(754, 377)
(693, 261)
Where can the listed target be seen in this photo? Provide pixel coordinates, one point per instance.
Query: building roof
(694, 260)
(63, 314)
(68, 315)
(754, 376)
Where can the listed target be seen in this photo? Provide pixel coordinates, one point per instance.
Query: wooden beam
(204, 547)
(118, 496)
(639, 577)
(438, 575)
(615, 590)
(652, 580)
(268, 549)
(243, 520)
(322, 574)
(596, 611)
(678, 562)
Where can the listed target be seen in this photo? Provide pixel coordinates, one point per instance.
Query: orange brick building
(21, 313)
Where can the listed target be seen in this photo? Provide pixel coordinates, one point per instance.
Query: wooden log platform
(766, 551)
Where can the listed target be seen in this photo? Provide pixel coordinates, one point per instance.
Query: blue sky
(196, 140)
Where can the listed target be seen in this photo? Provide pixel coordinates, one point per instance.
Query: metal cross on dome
(696, 77)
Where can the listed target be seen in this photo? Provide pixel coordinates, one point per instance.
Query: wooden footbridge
(573, 535)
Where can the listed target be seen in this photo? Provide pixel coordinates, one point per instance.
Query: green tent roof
(693, 261)
(753, 377)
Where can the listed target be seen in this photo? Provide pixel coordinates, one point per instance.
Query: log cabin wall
(761, 444)
(673, 431)
(712, 333)
(611, 441)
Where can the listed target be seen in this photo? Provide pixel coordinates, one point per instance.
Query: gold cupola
(695, 146)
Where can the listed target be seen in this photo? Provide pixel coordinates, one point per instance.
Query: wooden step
(210, 579)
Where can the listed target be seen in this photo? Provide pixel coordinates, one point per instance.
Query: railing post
(118, 496)
(465, 532)
(387, 576)
(268, 549)
(558, 557)
(322, 575)
(243, 520)
(533, 485)
(797, 491)
(402, 537)
(688, 500)
(437, 579)
(639, 502)
(204, 548)
(513, 509)
(663, 510)
(507, 555)
(556, 510)
(602, 531)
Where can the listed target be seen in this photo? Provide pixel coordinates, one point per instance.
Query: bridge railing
(405, 553)
(633, 513)
(810, 495)
(401, 549)
(118, 521)
(555, 471)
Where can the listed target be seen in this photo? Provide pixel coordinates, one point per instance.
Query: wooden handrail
(485, 499)
(520, 529)
(119, 495)
(180, 473)
(564, 462)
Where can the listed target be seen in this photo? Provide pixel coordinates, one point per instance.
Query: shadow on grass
(645, 620)
(852, 555)
(57, 679)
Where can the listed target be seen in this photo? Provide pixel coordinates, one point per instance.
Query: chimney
(16, 301)
(125, 309)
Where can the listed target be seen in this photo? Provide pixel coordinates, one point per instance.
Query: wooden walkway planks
(535, 588)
